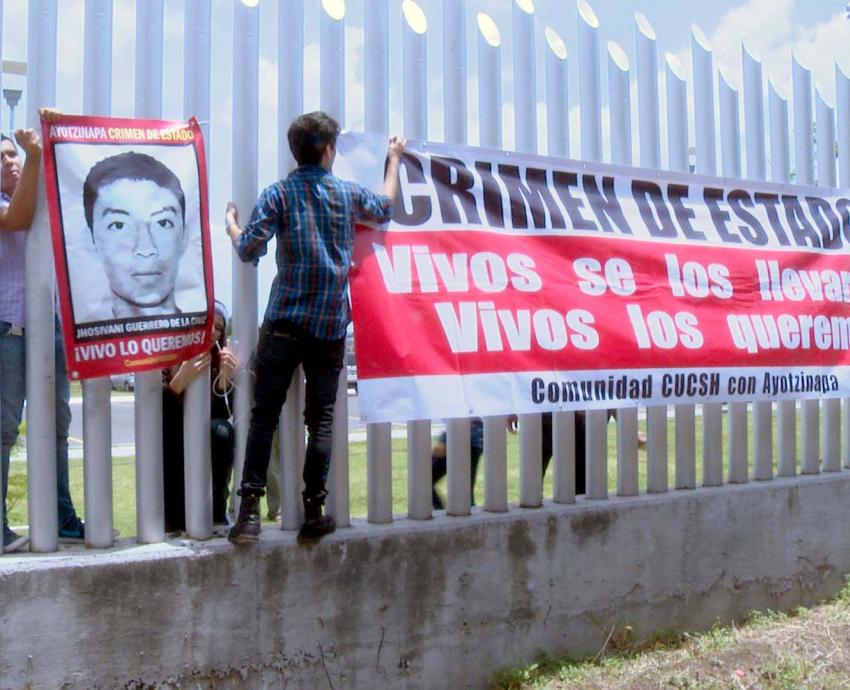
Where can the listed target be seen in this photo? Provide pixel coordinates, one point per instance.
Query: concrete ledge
(437, 604)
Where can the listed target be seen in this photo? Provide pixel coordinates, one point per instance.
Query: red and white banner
(128, 217)
(515, 283)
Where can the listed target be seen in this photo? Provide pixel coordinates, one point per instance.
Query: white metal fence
(742, 153)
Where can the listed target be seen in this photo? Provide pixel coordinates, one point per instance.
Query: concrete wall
(441, 604)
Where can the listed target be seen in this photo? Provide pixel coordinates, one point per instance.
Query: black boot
(315, 524)
(247, 527)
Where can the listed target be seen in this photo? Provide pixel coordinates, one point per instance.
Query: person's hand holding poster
(128, 216)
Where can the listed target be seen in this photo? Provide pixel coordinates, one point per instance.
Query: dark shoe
(72, 532)
(12, 541)
(247, 527)
(315, 524)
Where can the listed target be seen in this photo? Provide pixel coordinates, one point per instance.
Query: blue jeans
(281, 348)
(12, 394)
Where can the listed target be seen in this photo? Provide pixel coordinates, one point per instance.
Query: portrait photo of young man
(136, 211)
(131, 223)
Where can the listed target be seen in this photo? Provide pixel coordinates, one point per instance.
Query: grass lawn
(123, 475)
(807, 648)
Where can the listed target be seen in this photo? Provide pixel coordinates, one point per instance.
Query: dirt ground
(807, 649)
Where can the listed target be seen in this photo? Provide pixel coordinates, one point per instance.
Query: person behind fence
(18, 193)
(136, 211)
(221, 362)
(439, 466)
(476, 448)
(312, 215)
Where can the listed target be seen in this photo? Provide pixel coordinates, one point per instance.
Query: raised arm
(19, 213)
(394, 151)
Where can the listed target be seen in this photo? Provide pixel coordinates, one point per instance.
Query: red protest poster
(129, 222)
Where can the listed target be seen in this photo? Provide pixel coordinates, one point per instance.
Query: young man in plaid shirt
(312, 214)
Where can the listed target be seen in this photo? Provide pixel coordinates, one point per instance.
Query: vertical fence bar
(290, 104)
(786, 410)
(332, 101)
(558, 144)
(620, 131)
(2, 502)
(39, 287)
(150, 506)
(825, 132)
(677, 147)
(590, 107)
(490, 135)
(525, 77)
(525, 140)
(196, 401)
(842, 109)
(97, 422)
(730, 144)
(291, 446)
(379, 453)
(706, 164)
(458, 471)
(379, 485)
(415, 83)
(246, 39)
(801, 79)
(755, 127)
(650, 157)
(557, 96)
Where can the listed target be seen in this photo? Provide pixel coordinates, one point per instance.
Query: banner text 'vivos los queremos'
(516, 283)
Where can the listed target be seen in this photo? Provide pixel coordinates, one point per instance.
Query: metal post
(620, 129)
(2, 502)
(786, 410)
(842, 109)
(291, 458)
(525, 140)
(379, 465)
(290, 104)
(557, 96)
(197, 464)
(150, 507)
(490, 135)
(39, 287)
(332, 101)
(246, 39)
(458, 470)
(804, 164)
(754, 131)
(730, 144)
(649, 131)
(831, 430)
(558, 144)
(97, 414)
(415, 106)
(677, 155)
(706, 164)
(590, 106)
(525, 76)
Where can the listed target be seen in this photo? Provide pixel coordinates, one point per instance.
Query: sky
(817, 32)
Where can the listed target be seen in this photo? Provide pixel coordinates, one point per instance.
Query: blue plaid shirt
(312, 214)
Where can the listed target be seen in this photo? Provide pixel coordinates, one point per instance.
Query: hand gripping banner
(517, 283)
(128, 217)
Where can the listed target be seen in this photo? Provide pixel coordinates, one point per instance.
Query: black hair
(129, 166)
(309, 134)
(6, 137)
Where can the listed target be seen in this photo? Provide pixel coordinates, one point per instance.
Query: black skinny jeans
(281, 348)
